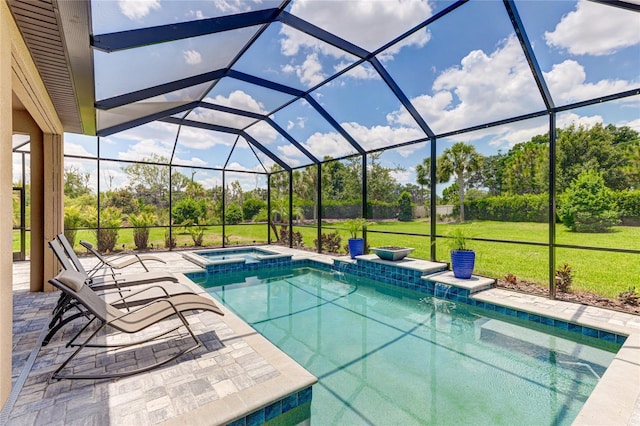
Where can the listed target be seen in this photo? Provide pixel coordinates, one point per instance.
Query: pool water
(385, 355)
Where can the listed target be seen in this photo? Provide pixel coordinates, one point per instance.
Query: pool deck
(238, 371)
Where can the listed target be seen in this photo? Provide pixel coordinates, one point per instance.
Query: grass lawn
(603, 273)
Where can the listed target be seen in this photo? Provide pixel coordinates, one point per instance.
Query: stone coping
(292, 378)
(474, 284)
(424, 266)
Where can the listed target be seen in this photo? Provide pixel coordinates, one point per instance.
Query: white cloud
(194, 161)
(366, 23)
(404, 176)
(144, 148)
(194, 138)
(332, 144)
(239, 100)
(595, 29)
(486, 88)
(634, 124)
(232, 6)
(262, 132)
(75, 149)
(353, 21)
(309, 72)
(567, 83)
(236, 99)
(361, 72)
(381, 136)
(192, 57)
(137, 9)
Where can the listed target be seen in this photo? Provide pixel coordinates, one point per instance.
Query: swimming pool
(385, 355)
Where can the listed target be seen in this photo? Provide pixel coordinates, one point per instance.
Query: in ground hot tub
(230, 256)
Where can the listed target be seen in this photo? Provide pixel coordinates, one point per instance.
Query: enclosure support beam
(364, 198)
(171, 202)
(432, 199)
(269, 208)
(319, 207)
(224, 207)
(552, 206)
(290, 208)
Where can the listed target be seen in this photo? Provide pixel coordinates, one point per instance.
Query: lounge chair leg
(61, 324)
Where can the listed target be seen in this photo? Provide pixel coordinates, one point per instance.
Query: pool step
(474, 284)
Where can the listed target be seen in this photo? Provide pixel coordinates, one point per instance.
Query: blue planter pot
(462, 263)
(356, 247)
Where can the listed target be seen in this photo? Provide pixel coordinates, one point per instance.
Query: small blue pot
(356, 247)
(462, 263)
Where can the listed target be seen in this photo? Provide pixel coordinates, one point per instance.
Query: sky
(462, 70)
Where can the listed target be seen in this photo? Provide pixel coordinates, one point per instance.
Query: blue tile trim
(409, 279)
(275, 409)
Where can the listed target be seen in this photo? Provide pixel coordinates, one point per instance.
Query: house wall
(33, 113)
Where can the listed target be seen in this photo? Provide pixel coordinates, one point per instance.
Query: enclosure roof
(293, 82)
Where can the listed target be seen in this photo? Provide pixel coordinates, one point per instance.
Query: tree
(526, 169)
(460, 161)
(76, 183)
(333, 179)
(150, 182)
(305, 186)
(381, 185)
(123, 199)
(581, 148)
(491, 174)
(423, 175)
(588, 204)
(405, 212)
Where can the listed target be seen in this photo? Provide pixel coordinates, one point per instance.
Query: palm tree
(461, 160)
(423, 175)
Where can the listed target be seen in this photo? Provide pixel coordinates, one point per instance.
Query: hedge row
(510, 208)
(535, 207)
(346, 209)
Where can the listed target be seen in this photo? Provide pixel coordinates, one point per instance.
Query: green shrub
(233, 215)
(188, 211)
(72, 220)
(169, 239)
(197, 234)
(405, 211)
(329, 243)
(628, 205)
(110, 223)
(251, 207)
(141, 222)
(588, 206)
(261, 216)
(564, 278)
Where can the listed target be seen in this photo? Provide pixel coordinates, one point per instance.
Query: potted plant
(356, 244)
(462, 257)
